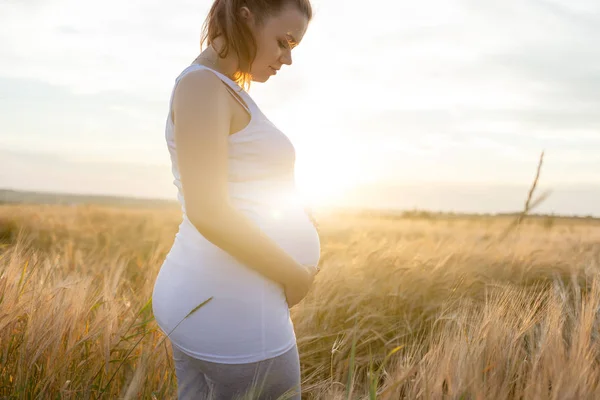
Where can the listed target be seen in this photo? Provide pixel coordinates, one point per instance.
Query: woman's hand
(294, 293)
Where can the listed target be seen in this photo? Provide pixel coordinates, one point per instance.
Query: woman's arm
(202, 115)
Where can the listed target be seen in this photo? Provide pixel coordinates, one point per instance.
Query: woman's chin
(260, 78)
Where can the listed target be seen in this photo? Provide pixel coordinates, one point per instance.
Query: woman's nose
(286, 58)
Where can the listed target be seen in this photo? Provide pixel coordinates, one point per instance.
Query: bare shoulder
(199, 86)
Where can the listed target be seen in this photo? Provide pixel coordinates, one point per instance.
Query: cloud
(99, 46)
(513, 77)
(26, 170)
(552, 49)
(37, 116)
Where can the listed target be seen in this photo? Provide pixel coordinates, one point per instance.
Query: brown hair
(224, 20)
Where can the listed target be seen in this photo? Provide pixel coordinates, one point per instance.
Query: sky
(443, 104)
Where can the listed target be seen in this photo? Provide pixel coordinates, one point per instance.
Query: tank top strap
(236, 90)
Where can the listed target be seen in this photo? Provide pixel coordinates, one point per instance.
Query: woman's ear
(246, 15)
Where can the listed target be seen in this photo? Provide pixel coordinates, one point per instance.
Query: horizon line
(380, 210)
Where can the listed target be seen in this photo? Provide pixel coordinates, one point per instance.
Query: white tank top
(248, 318)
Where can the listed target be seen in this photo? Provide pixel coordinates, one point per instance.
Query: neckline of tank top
(253, 108)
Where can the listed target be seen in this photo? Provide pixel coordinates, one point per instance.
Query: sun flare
(324, 185)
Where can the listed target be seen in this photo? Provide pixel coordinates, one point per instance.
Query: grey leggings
(276, 378)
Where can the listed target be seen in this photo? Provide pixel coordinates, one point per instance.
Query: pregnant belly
(292, 230)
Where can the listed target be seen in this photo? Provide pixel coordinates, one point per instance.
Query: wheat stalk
(529, 204)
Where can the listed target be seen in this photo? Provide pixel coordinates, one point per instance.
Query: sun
(320, 193)
(323, 185)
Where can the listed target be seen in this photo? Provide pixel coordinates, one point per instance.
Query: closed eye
(291, 41)
(284, 44)
(287, 44)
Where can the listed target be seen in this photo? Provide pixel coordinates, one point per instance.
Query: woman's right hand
(296, 291)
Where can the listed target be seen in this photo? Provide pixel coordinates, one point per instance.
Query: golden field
(462, 311)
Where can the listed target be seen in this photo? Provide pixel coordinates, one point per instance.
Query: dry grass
(467, 316)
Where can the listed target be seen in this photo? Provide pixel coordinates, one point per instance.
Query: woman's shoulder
(199, 83)
(199, 78)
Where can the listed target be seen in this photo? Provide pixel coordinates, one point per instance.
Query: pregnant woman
(245, 243)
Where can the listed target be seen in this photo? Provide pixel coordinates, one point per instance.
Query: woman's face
(275, 39)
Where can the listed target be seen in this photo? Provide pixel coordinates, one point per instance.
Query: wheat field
(404, 308)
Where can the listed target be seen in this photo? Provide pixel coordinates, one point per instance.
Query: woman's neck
(210, 57)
